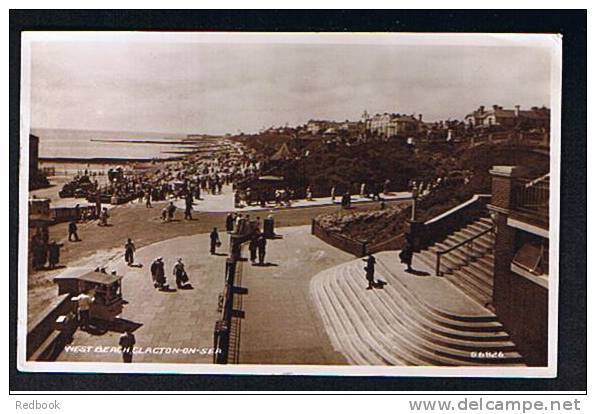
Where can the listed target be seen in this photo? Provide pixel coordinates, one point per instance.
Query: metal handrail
(457, 246)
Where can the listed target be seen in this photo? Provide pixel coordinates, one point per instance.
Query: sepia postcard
(379, 204)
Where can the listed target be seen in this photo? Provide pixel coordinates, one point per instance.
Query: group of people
(405, 256)
(158, 275)
(257, 247)
(44, 251)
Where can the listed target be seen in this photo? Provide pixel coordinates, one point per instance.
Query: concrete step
(419, 347)
(360, 351)
(392, 336)
(334, 325)
(468, 289)
(478, 226)
(396, 319)
(435, 320)
(482, 241)
(385, 327)
(473, 280)
(368, 331)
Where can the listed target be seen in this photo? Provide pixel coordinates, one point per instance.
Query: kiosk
(106, 288)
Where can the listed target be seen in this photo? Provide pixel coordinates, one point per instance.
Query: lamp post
(414, 197)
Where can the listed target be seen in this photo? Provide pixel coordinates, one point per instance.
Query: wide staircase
(393, 325)
(467, 261)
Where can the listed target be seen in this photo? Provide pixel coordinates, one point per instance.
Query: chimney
(420, 117)
(495, 107)
(516, 111)
(481, 109)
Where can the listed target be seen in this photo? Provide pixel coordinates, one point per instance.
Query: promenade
(224, 202)
(179, 319)
(281, 324)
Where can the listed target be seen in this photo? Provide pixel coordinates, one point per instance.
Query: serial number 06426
(488, 354)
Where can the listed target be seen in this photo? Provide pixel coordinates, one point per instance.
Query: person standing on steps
(370, 270)
(407, 253)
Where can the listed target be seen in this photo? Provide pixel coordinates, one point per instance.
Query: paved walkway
(178, 319)
(281, 324)
(225, 202)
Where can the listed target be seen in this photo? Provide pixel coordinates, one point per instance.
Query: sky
(226, 87)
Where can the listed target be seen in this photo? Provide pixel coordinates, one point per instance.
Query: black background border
(572, 24)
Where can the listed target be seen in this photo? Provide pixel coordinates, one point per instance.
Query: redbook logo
(37, 405)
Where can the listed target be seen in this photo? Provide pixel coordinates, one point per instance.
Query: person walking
(72, 231)
(84, 301)
(180, 274)
(261, 247)
(214, 240)
(148, 199)
(188, 207)
(103, 217)
(229, 222)
(97, 204)
(370, 270)
(127, 342)
(252, 247)
(129, 251)
(158, 274)
(308, 193)
(171, 211)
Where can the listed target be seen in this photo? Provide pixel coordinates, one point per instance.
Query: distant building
(391, 125)
(314, 127)
(535, 117)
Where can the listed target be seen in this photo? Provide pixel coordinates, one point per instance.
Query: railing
(440, 226)
(221, 334)
(469, 242)
(531, 198)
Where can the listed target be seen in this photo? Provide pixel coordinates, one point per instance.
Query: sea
(81, 145)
